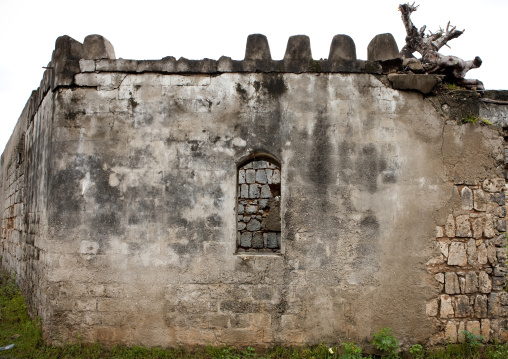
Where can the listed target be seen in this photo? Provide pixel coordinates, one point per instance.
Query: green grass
(474, 120)
(17, 328)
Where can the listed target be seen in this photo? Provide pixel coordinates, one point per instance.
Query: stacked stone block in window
(471, 269)
(259, 223)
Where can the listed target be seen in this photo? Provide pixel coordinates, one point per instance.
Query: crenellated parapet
(98, 56)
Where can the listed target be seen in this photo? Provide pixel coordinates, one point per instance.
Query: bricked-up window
(258, 222)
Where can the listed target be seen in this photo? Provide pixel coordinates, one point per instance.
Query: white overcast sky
(195, 29)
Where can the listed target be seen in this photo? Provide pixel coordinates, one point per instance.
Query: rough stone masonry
(191, 202)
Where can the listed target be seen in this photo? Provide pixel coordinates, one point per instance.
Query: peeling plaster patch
(88, 247)
(113, 180)
(85, 183)
(239, 142)
(423, 183)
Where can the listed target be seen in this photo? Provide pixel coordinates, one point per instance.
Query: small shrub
(451, 86)
(485, 121)
(473, 340)
(385, 340)
(416, 351)
(351, 351)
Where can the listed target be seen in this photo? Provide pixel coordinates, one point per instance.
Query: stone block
(472, 253)
(166, 65)
(471, 283)
(246, 240)
(503, 298)
(489, 230)
(119, 65)
(250, 176)
(259, 165)
(493, 305)
(500, 270)
(480, 202)
(462, 307)
(484, 283)
(251, 209)
(239, 321)
(499, 198)
(493, 185)
(450, 226)
(298, 49)
(87, 65)
(485, 329)
(478, 225)
(460, 332)
(244, 191)
(257, 240)
(241, 176)
(225, 64)
(440, 277)
(382, 47)
(253, 191)
(257, 48)
(421, 83)
(240, 209)
(501, 225)
(451, 283)
(450, 333)
(445, 307)
(467, 198)
(498, 283)
(444, 248)
(432, 308)
(263, 203)
(265, 191)
(218, 321)
(269, 173)
(261, 176)
(501, 255)
(342, 48)
(253, 225)
(492, 254)
(97, 47)
(500, 212)
(65, 60)
(457, 254)
(482, 254)
(439, 232)
(480, 306)
(271, 240)
(276, 176)
(473, 326)
(463, 226)
(239, 307)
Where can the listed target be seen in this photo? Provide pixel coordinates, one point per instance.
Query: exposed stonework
(259, 223)
(121, 191)
(472, 261)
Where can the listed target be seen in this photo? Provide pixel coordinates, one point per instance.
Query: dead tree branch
(428, 47)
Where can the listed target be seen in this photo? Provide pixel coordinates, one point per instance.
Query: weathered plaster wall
(23, 197)
(130, 202)
(143, 196)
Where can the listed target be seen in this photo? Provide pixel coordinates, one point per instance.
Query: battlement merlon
(96, 54)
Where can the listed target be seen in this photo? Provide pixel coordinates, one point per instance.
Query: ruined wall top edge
(96, 54)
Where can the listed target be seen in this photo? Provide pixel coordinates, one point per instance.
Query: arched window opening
(258, 210)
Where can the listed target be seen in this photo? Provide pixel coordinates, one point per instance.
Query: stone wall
(23, 191)
(471, 269)
(258, 210)
(122, 217)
